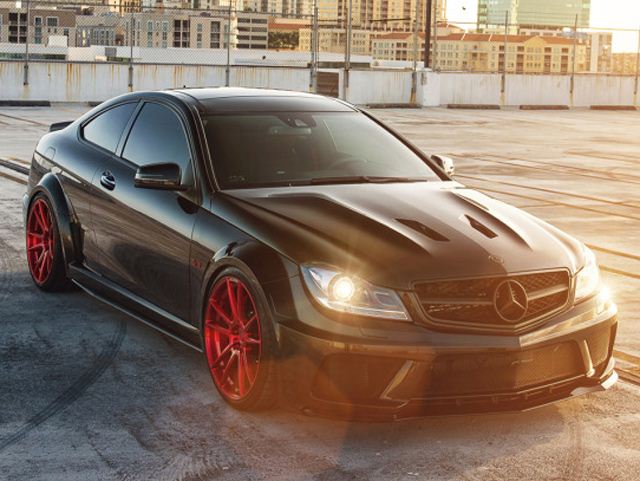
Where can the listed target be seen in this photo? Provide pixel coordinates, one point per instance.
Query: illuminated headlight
(344, 293)
(588, 278)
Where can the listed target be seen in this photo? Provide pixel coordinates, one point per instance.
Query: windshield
(300, 148)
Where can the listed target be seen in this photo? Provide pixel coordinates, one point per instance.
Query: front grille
(469, 303)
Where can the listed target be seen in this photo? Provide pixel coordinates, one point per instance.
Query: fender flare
(50, 186)
(257, 261)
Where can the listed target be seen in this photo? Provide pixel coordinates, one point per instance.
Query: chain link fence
(322, 37)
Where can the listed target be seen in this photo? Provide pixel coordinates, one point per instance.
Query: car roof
(209, 93)
(238, 99)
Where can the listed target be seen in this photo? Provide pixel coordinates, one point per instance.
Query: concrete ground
(87, 393)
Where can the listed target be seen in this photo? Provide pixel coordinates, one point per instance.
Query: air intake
(480, 227)
(424, 230)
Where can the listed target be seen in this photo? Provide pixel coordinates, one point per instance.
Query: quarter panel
(73, 166)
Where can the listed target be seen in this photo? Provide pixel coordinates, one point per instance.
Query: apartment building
(43, 25)
(151, 30)
(179, 30)
(123, 6)
(334, 40)
(600, 52)
(486, 52)
(380, 14)
(253, 30)
(205, 31)
(105, 29)
(625, 63)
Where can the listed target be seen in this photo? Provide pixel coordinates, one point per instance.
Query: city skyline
(618, 14)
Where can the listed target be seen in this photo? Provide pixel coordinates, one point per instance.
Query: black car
(315, 256)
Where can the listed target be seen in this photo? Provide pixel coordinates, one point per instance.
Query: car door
(144, 235)
(98, 139)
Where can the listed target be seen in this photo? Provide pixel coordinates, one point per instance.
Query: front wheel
(44, 250)
(239, 341)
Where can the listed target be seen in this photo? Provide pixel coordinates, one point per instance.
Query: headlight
(344, 293)
(588, 278)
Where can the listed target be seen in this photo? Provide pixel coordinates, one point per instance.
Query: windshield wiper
(364, 179)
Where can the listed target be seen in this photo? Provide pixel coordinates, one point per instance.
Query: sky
(604, 13)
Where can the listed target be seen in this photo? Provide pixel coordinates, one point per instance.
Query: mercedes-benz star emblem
(510, 301)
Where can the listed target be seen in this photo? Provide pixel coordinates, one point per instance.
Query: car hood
(397, 234)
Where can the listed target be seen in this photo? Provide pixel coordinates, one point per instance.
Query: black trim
(138, 308)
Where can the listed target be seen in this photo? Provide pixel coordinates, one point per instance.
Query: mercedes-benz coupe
(315, 256)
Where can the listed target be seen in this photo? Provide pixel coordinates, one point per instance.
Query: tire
(239, 342)
(44, 247)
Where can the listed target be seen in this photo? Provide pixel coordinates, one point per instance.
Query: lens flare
(343, 289)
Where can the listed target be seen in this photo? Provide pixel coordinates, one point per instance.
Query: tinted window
(287, 148)
(105, 130)
(157, 137)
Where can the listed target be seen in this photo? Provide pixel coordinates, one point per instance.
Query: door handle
(108, 181)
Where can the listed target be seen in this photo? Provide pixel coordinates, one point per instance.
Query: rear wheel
(239, 342)
(44, 251)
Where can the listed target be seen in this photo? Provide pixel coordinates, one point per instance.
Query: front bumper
(448, 373)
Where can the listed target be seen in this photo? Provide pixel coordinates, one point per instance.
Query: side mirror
(445, 163)
(159, 176)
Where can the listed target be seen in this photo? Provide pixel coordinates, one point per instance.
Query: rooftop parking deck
(88, 393)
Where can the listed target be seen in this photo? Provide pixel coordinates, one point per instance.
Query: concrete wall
(379, 87)
(88, 82)
(536, 90)
(83, 82)
(467, 89)
(603, 90)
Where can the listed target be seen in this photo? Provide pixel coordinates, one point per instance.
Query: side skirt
(125, 301)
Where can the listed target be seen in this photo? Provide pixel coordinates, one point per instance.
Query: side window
(105, 129)
(157, 136)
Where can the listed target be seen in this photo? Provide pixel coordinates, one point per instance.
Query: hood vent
(424, 230)
(480, 227)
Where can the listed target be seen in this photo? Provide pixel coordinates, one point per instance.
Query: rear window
(106, 129)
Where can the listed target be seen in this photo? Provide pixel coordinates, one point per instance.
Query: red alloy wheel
(40, 241)
(232, 338)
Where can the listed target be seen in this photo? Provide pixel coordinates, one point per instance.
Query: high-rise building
(381, 14)
(550, 14)
(492, 13)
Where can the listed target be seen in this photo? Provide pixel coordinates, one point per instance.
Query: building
(625, 63)
(284, 33)
(253, 30)
(105, 29)
(123, 6)
(44, 25)
(547, 14)
(207, 30)
(600, 52)
(473, 52)
(151, 30)
(334, 40)
(599, 45)
(288, 8)
(380, 14)
(179, 30)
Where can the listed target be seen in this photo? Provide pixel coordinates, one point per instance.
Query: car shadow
(143, 406)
